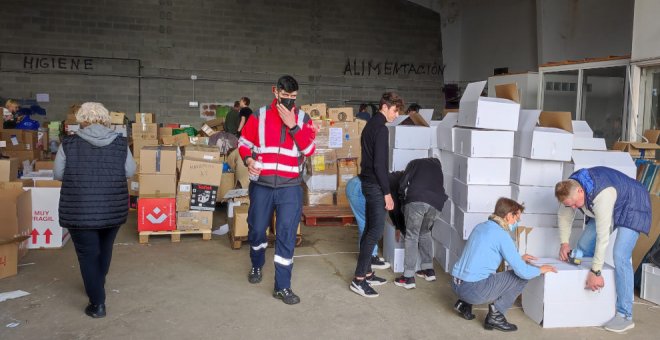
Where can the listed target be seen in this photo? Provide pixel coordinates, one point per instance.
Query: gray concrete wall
(236, 48)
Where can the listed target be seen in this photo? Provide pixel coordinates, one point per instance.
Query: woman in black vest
(93, 166)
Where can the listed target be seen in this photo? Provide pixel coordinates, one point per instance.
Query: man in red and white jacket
(274, 143)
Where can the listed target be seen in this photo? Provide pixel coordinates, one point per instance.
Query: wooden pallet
(328, 215)
(236, 242)
(174, 234)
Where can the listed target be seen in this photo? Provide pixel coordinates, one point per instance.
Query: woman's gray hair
(93, 113)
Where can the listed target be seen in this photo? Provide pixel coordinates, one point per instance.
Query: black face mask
(287, 102)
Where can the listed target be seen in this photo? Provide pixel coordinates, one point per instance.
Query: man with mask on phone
(273, 144)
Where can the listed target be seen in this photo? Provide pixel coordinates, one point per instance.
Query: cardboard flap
(582, 129)
(528, 119)
(473, 91)
(421, 118)
(626, 146)
(556, 119)
(652, 136)
(507, 91)
(16, 239)
(47, 184)
(450, 120)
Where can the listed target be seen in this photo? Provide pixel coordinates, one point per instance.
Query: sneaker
(363, 288)
(287, 296)
(255, 275)
(426, 274)
(375, 280)
(619, 324)
(405, 282)
(379, 263)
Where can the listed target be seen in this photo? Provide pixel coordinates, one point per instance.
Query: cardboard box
(321, 182)
(316, 111)
(134, 185)
(120, 129)
(645, 242)
(138, 144)
(411, 132)
(213, 126)
(207, 153)
(145, 117)
(201, 171)
(183, 194)
(347, 168)
(446, 131)
(447, 213)
(228, 183)
(545, 242)
(8, 169)
(316, 198)
(442, 256)
(164, 131)
(18, 140)
(15, 185)
(181, 139)
(547, 141)
(525, 171)
(464, 222)
(194, 220)
(487, 113)
(158, 160)
(239, 225)
(156, 214)
(341, 200)
(16, 215)
(46, 229)
(478, 198)
(441, 232)
(537, 200)
(585, 143)
(8, 258)
(491, 171)
(637, 149)
(393, 250)
(322, 162)
(341, 114)
(540, 220)
(399, 158)
(650, 285)
(483, 143)
(581, 129)
(621, 161)
(157, 186)
(44, 165)
(117, 117)
(144, 131)
(22, 155)
(350, 149)
(203, 197)
(197, 140)
(560, 300)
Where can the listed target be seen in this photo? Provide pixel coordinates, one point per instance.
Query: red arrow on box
(47, 233)
(34, 234)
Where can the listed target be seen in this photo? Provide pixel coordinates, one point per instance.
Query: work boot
(464, 309)
(496, 320)
(95, 311)
(255, 275)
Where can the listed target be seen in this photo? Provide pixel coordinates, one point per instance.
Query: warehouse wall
(139, 55)
(646, 30)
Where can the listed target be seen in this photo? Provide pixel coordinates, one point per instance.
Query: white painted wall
(646, 30)
(572, 29)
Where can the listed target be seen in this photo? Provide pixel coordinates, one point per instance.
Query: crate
(175, 235)
(328, 215)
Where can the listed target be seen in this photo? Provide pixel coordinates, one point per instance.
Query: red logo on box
(156, 214)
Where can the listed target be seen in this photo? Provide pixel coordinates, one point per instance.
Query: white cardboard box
(483, 143)
(447, 162)
(560, 300)
(434, 153)
(448, 181)
(537, 200)
(433, 135)
(539, 220)
(441, 232)
(464, 222)
(486, 112)
(446, 131)
(441, 255)
(399, 158)
(543, 242)
(525, 171)
(321, 182)
(617, 160)
(588, 143)
(536, 142)
(416, 137)
(46, 229)
(491, 171)
(457, 242)
(478, 198)
(447, 213)
(650, 288)
(581, 129)
(393, 251)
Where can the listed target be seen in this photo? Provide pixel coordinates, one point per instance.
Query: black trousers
(94, 250)
(373, 228)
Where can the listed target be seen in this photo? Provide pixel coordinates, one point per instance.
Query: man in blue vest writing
(609, 200)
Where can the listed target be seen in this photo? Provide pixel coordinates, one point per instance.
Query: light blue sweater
(487, 245)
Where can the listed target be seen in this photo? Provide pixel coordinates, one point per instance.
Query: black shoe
(378, 263)
(287, 296)
(375, 280)
(362, 287)
(255, 275)
(95, 311)
(405, 282)
(496, 320)
(426, 274)
(464, 309)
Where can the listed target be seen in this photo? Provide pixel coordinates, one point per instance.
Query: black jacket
(375, 152)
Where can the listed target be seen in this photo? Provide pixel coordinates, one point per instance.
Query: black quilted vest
(94, 191)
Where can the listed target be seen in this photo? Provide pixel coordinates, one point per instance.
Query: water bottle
(257, 165)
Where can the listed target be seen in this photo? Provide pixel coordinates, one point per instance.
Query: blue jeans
(287, 204)
(623, 272)
(358, 205)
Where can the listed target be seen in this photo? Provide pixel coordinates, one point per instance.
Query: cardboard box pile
(21, 144)
(157, 188)
(16, 219)
(411, 138)
(144, 132)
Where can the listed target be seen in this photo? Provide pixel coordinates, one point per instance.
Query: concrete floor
(198, 290)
